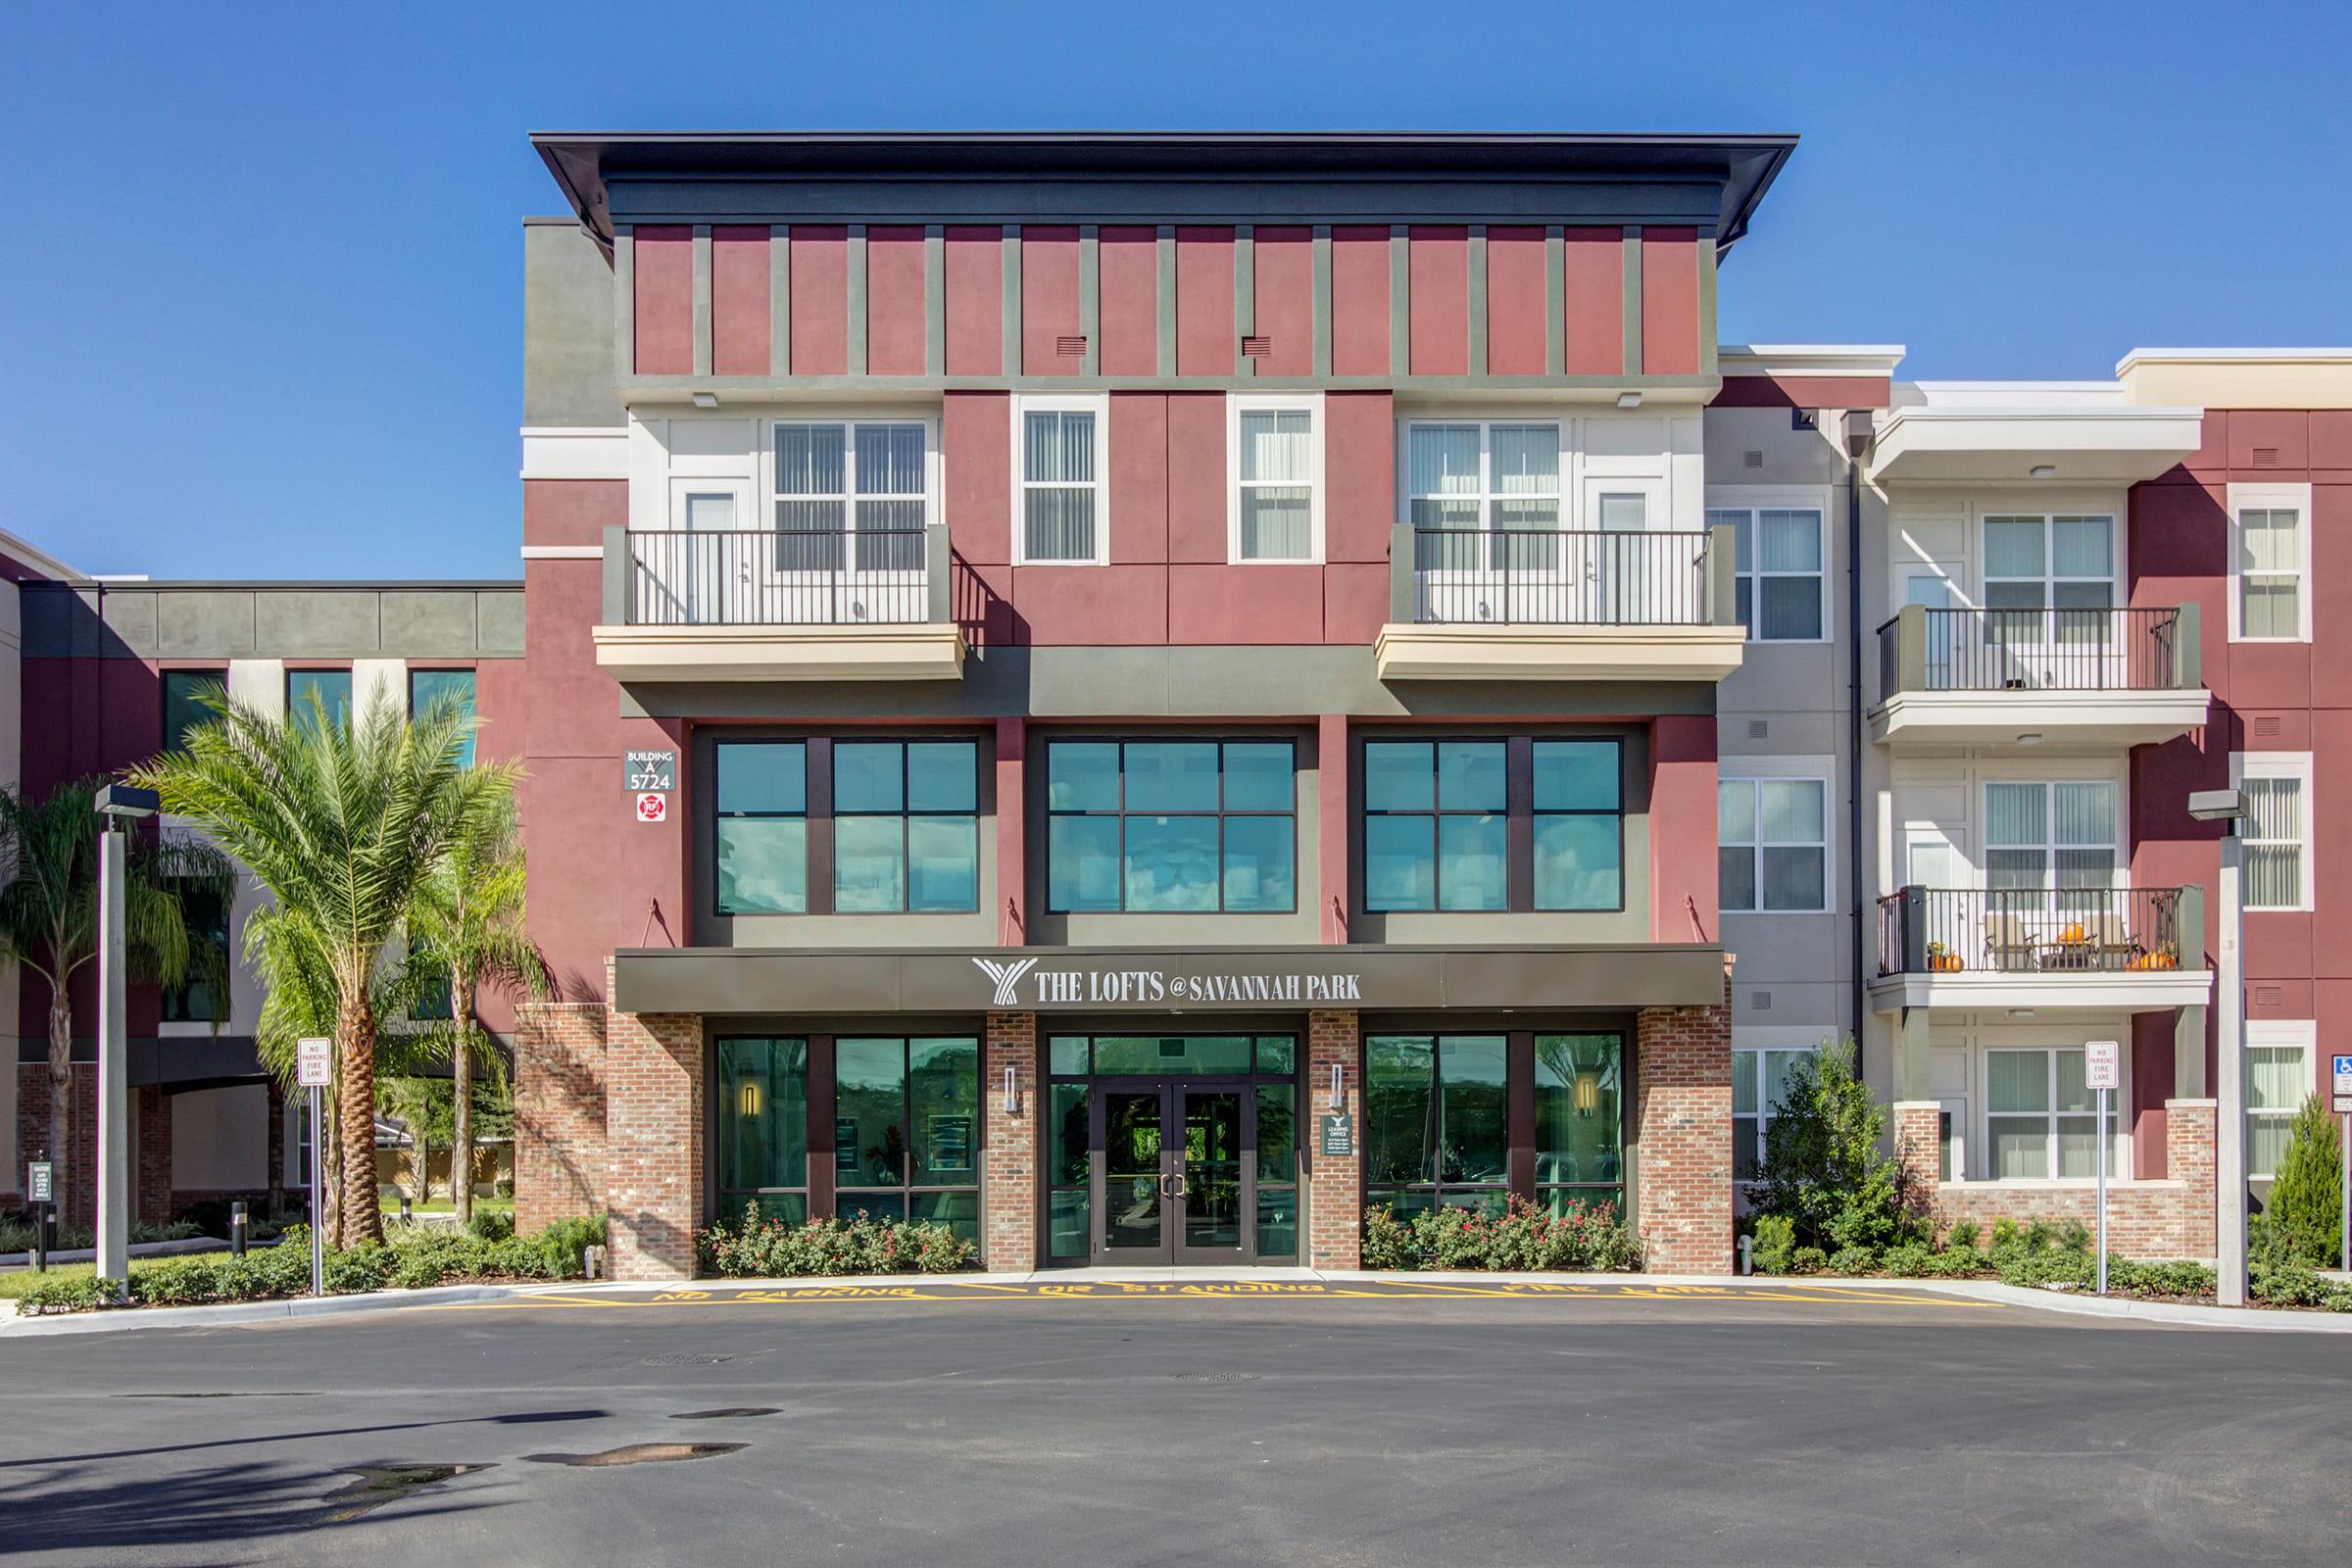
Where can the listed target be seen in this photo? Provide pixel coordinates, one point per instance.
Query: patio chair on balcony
(2009, 942)
(2090, 941)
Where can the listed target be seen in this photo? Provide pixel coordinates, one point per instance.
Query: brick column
(2190, 1128)
(654, 1141)
(1918, 1151)
(151, 1199)
(1335, 1187)
(1682, 1120)
(560, 1165)
(1008, 1172)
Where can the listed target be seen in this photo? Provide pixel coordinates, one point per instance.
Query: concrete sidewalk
(1530, 1286)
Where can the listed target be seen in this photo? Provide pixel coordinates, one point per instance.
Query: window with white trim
(2276, 832)
(1778, 560)
(1276, 447)
(1772, 843)
(1759, 1079)
(2050, 837)
(2279, 1079)
(2270, 562)
(1060, 464)
(850, 495)
(2034, 565)
(2040, 1116)
(1484, 474)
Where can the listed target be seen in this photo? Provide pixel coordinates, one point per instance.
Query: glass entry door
(1175, 1174)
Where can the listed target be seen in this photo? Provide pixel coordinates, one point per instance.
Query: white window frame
(1486, 495)
(2298, 1035)
(1760, 844)
(2296, 766)
(1762, 1115)
(2118, 867)
(2246, 498)
(1238, 404)
(2116, 1117)
(1750, 510)
(2050, 579)
(849, 494)
(1025, 404)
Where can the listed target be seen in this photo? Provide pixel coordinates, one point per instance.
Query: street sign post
(2343, 1108)
(2103, 1071)
(40, 1196)
(314, 1070)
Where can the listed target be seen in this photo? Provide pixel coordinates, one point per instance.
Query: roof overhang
(2091, 444)
(2239, 379)
(1711, 182)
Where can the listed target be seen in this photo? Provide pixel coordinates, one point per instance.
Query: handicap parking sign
(2344, 1075)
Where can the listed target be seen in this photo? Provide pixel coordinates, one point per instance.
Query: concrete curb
(2067, 1303)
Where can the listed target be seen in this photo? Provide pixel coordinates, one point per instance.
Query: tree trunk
(362, 1211)
(420, 1166)
(61, 1103)
(460, 1075)
(326, 1136)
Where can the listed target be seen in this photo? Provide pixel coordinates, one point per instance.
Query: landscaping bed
(756, 1246)
(1516, 1237)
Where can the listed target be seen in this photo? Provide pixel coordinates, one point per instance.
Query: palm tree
(49, 916)
(341, 822)
(468, 924)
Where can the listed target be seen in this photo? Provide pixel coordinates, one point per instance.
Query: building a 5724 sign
(1025, 983)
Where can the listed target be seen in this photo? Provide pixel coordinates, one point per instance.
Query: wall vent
(1071, 348)
(1257, 348)
(2267, 727)
(1761, 1001)
(1758, 729)
(2267, 996)
(1752, 458)
(2265, 456)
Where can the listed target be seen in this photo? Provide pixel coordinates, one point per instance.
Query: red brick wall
(1335, 1187)
(151, 1154)
(1009, 1169)
(559, 1156)
(1682, 1127)
(653, 1140)
(151, 1116)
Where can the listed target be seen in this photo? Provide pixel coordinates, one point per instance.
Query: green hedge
(416, 1257)
(1516, 1237)
(757, 1247)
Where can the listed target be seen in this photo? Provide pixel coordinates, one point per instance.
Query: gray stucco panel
(567, 329)
(204, 623)
(428, 622)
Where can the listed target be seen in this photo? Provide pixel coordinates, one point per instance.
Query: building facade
(1136, 694)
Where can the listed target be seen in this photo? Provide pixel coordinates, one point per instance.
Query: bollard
(404, 1210)
(1748, 1259)
(236, 1230)
(41, 1239)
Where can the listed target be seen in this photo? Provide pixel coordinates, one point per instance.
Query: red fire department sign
(653, 807)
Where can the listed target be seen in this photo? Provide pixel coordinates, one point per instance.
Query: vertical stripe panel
(1555, 298)
(1400, 301)
(857, 298)
(1167, 299)
(701, 299)
(780, 299)
(1322, 305)
(1633, 300)
(934, 300)
(624, 302)
(1090, 297)
(1245, 295)
(1011, 261)
(1477, 292)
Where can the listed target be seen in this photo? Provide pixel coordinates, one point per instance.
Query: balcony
(781, 604)
(2131, 949)
(2009, 677)
(1542, 604)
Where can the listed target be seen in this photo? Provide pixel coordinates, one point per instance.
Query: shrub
(761, 1248)
(562, 1242)
(1853, 1261)
(492, 1225)
(1809, 1260)
(2074, 1236)
(1776, 1241)
(1822, 1168)
(1517, 1236)
(2305, 1206)
(1910, 1261)
(67, 1294)
(2004, 1232)
(1962, 1237)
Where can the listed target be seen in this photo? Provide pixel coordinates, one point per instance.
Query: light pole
(117, 807)
(2228, 807)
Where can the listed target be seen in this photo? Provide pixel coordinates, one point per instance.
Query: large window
(1772, 843)
(429, 687)
(1277, 466)
(2276, 830)
(906, 1129)
(184, 705)
(1437, 1119)
(1438, 824)
(761, 828)
(906, 827)
(196, 999)
(850, 495)
(763, 1128)
(2041, 837)
(1778, 557)
(1171, 826)
(2062, 563)
(1060, 462)
(1479, 475)
(2270, 560)
(1580, 1123)
(2279, 1079)
(2040, 1117)
(1759, 1082)
(311, 693)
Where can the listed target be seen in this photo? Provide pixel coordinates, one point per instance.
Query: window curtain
(1059, 464)
(1277, 449)
(2273, 845)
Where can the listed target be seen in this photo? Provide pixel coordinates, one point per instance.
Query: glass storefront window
(761, 826)
(1580, 1128)
(1438, 824)
(905, 834)
(428, 688)
(763, 1127)
(1437, 1114)
(1177, 826)
(906, 1117)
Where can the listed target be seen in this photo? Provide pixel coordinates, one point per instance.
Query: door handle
(1182, 1187)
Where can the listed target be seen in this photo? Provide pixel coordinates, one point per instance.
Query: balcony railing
(2040, 930)
(1551, 578)
(786, 577)
(1926, 650)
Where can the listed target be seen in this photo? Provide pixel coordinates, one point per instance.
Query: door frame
(1172, 1091)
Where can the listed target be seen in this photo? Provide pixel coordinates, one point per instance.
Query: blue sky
(261, 278)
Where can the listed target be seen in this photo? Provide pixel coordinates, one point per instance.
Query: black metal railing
(2033, 649)
(2038, 930)
(778, 578)
(1549, 577)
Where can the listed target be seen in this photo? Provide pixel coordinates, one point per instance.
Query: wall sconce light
(706, 400)
(749, 1099)
(1588, 1092)
(1012, 1094)
(1339, 1098)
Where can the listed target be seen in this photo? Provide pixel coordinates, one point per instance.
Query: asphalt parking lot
(1166, 1425)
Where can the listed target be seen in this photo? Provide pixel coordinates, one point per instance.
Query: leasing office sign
(1032, 983)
